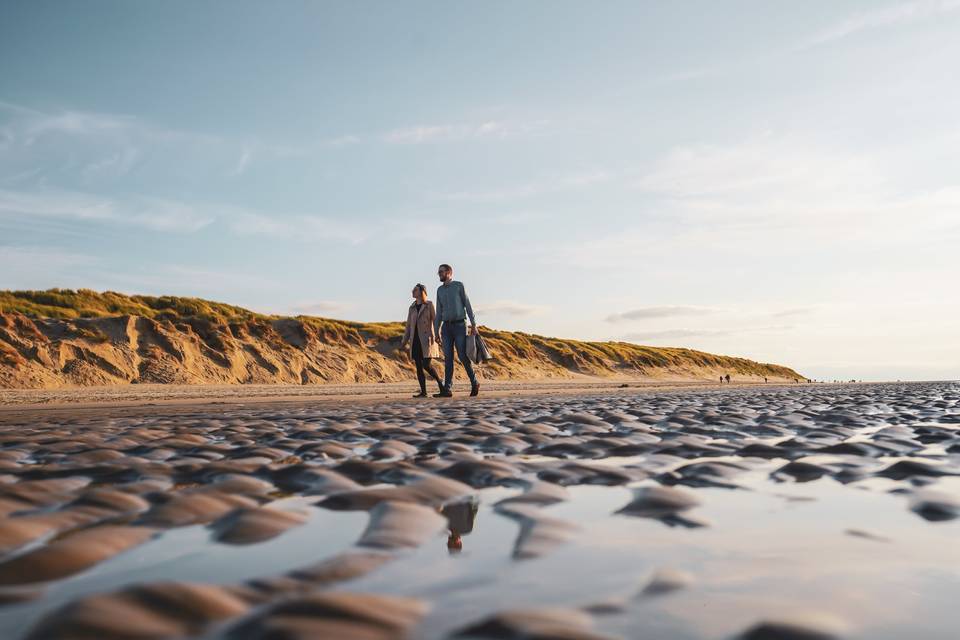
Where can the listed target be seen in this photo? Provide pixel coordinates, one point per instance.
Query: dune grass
(594, 357)
(85, 303)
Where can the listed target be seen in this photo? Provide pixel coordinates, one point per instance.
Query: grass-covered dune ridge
(63, 337)
(84, 303)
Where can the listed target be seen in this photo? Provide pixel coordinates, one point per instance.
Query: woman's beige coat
(423, 321)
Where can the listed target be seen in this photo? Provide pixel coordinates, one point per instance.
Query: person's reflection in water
(460, 517)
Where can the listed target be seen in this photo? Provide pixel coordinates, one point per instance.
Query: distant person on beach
(421, 336)
(721, 379)
(728, 378)
(453, 307)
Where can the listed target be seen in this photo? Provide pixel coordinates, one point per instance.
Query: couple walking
(428, 328)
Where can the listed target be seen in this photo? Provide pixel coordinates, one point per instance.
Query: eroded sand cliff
(241, 347)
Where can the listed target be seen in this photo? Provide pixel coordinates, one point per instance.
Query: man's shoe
(446, 393)
(422, 394)
(475, 389)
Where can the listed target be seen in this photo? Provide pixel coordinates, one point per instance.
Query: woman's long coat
(423, 321)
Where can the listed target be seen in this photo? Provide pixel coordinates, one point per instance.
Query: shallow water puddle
(807, 550)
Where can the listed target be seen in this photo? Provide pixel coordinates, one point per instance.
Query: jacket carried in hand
(423, 322)
(477, 349)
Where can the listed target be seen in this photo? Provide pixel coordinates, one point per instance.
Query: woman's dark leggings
(423, 364)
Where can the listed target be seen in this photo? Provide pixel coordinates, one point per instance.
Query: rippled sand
(807, 512)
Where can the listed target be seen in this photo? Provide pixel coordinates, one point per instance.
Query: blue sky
(774, 180)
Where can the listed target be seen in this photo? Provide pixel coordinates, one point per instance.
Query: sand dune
(93, 339)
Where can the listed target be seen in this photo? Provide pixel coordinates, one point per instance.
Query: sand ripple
(494, 517)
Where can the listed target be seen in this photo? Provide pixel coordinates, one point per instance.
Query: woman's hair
(420, 287)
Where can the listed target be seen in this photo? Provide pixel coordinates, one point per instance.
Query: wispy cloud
(160, 214)
(236, 285)
(785, 183)
(117, 164)
(887, 16)
(29, 124)
(77, 123)
(243, 161)
(511, 308)
(487, 129)
(152, 213)
(213, 280)
(312, 227)
(342, 141)
(27, 208)
(673, 334)
(43, 267)
(421, 134)
(671, 311)
(36, 267)
(94, 147)
(548, 184)
(319, 308)
(13, 107)
(302, 227)
(670, 334)
(769, 197)
(517, 218)
(764, 164)
(792, 313)
(32, 257)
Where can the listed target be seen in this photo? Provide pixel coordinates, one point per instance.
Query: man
(453, 307)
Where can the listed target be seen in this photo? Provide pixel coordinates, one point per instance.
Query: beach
(603, 511)
(139, 395)
(473, 321)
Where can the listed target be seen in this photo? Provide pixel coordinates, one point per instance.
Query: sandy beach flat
(533, 511)
(170, 395)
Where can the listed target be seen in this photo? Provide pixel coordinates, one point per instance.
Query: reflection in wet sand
(815, 511)
(460, 517)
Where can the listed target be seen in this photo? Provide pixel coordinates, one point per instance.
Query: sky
(773, 180)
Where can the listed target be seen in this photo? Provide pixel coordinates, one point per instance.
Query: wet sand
(807, 511)
(138, 395)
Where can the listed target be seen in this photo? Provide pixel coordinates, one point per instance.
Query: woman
(422, 338)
